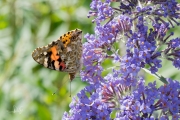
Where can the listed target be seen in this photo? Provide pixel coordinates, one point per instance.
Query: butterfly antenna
(55, 92)
(59, 87)
(70, 88)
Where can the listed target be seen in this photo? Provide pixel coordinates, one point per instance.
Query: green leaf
(157, 75)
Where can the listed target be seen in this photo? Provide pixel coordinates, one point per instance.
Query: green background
(26, 88)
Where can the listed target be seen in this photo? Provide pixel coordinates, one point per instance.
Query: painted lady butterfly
(63, 54)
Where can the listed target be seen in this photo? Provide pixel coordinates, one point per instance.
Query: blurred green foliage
(26, 87)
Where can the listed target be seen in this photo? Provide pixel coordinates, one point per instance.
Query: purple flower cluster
(142, 26)
(88, 106)
(101, 10)
(140, 101)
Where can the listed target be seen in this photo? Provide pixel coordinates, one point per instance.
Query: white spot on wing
(45, 62)
(69, 49)
(56, 64)
(45, 53)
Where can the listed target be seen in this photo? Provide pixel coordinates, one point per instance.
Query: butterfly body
(63, 54)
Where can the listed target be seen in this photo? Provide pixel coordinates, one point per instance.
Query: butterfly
(63, 54)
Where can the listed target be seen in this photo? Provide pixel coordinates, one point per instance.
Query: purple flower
(88, 106)
(172, 53)
(143, 28)
(142, 101)
(131, 102)
(101, 10)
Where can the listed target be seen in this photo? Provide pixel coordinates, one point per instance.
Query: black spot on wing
(48, 54)
(60, 60)
(53, 64)
(60, 68)
(49, 59)
(49, 62)
(53, 43)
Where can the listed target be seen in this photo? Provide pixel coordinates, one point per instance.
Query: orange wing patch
(66, 38)
(54, 55)
(58, 63)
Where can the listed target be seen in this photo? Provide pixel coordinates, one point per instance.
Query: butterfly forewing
(63, 54)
